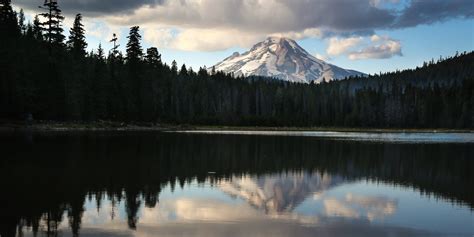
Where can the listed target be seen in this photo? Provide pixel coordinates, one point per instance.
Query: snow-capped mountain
(284, 59)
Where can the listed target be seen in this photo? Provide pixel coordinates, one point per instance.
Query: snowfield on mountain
(282, 58)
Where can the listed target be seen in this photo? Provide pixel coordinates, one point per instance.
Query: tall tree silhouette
(21, 21)
(37, 30)
(55, 90)
(52, 27)
(135, 79)
(134, 48)
(9, 33)
(8, 19)
(77, 40)
(79, 87)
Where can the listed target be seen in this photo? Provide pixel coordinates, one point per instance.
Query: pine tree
(100, 52)
(135, 80)
(183, 71)
(134, 48)
(174, 67)
(9, 56)
(37, 29)
(8, 20)
(53, 24)
(77, 40)
(21, 21)
(213, 70)
(152, 57)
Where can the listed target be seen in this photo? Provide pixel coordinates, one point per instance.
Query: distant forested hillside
(48, 77)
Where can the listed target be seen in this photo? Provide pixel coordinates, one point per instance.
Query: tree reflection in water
(47, 179)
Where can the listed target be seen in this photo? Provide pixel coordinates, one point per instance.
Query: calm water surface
(236, 184)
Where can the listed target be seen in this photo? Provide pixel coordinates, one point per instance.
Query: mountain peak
(282, 58)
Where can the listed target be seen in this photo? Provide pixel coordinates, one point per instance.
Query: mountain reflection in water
(151, 184)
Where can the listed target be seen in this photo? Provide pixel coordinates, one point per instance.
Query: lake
(236, 183)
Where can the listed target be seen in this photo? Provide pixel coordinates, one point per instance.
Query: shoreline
(115, 126)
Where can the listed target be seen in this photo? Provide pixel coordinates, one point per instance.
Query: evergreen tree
(213, 70)
(37, 31)
(134, 48)
(135, 80)
(100, 52)
(8, 20)
(77, 40)
(21, 21)
(174, 67)
(138, 88)
(152, 56)
(183, 71)
(52, 27)
(9, 34)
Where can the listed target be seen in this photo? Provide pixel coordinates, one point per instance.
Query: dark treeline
(47, 175)
(48, 77)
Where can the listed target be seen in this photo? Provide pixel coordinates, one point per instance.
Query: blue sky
(366, 35)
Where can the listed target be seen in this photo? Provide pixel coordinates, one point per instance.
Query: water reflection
(387, 137)
(279, 193)
(146, 184)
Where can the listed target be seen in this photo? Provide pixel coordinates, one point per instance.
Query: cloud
(338, 46)
(358, 47)
(209, 25)
(377, 3)
(385, 48)
(429, 12)
(260, 15)
(158, 36)
(100, 30)
(213, 40)
(94, 7)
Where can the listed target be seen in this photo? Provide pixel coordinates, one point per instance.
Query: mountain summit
(284, 59)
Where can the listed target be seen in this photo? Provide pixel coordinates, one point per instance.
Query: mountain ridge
(282, 58)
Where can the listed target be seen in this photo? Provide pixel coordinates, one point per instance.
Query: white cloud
(241, 23)
(385, 47)
(356, 48)
(196, 25)
(198, 39)
(338, 46)
(231, 23)
(159, 37)
(100, 30)
(213, 40)
(307, 33)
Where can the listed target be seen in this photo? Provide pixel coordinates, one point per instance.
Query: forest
(48, 77)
